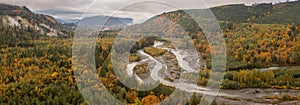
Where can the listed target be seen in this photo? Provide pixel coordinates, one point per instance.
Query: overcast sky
(139, 11)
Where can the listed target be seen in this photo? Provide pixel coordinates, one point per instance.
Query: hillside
(22, 19)
(282, 13)
(240, 13)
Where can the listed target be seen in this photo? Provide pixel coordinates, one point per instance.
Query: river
(247, 94)
(180, 55)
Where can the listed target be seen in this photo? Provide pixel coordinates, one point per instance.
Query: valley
(262, 58)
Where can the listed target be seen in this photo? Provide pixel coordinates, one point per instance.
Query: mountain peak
(26, 9)
(6, 9)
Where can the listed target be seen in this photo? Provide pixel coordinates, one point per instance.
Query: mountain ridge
(108, 22)
(23, 18)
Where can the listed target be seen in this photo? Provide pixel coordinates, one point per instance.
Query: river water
(180, 55)
(189, 87)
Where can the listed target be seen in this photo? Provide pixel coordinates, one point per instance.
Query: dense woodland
(41, 70)
(36, 69)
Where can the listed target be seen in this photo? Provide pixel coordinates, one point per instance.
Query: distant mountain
(106, 21)
(23, 18)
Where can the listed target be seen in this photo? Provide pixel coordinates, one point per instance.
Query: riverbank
(168, 68)
(259, 96)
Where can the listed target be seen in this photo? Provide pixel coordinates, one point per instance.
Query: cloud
(60, 12)
(75, 9)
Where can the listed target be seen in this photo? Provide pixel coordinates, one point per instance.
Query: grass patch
(134, 58)
(155, 52)
(141, 69)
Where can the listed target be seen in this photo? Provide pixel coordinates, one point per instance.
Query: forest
(41, 69)
(37, 69)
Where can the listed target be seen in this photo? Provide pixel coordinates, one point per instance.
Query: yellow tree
(150, 99)
(131, 96)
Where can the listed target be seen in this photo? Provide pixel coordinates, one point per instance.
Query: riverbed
(187, 61)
